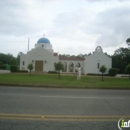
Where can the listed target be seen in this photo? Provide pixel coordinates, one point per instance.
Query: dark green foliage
(128, 41)
(128, 70)
(113, 71)
(30, 67)
(13, 68)
(121, 59)
(52, 72)
(59, 67)
(103, 70)
(22, 71)
(5, 67)
(6, 58)
(1, 65)
(13, 61)
(93, 74)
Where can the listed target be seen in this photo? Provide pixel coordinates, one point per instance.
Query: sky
(72, 26)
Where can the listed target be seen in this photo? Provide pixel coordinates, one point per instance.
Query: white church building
(43, 59)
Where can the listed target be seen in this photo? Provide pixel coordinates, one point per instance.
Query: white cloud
(73, 27)
(113, 25)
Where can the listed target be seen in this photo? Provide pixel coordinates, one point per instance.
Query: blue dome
(43, 40)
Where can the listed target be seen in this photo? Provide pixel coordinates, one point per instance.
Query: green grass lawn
(65, 81)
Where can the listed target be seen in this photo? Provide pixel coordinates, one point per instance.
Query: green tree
(13, 68)
(30, 67)
(121, 59)
(128, 41)
(58, 67)
(103, 70)
(5, 58)
(113, 71)
(13, 61)
(128, 70)
(1, 65)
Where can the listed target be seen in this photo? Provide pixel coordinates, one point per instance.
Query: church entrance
(38, 65)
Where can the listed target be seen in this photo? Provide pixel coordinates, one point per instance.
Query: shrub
(103, 69)
(22, 71)
(13, 61)
(13, 68)
(128, 70)
(93, 74)
(3, 67)
(1, 63)
(113, 71)
(30, 67)
(52, 72)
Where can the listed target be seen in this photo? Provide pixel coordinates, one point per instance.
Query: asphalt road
(50, 109)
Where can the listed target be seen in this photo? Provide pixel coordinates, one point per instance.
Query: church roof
(43, 40)
(55, 54)
(71, 58)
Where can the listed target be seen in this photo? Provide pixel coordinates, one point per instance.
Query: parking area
(4, 71)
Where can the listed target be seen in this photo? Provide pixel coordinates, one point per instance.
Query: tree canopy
(103, 70)
(30, 67)
(120, 59)
(6, 58)
(128, 41)
(59, 67)
(13, 61)
(128, 70)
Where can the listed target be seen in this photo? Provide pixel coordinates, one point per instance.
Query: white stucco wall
(91, 62)
(23, 59)
(38, 54)
(74, 62)
(45, 53)
(45, 46)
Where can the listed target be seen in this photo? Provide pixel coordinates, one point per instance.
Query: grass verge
(51, 80)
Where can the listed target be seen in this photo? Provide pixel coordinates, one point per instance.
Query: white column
(67, 67)
(73, 67)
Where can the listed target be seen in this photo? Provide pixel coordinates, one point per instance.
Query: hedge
(3, 67)
(113, 71)
(13, 68)
(52, 72)
(22, 71)
(93, 74)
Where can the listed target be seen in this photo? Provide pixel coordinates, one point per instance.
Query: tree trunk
(129, 76)
(59, 74)
(102, 77)
(30, 72)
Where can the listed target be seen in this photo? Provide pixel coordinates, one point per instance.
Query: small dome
(43, 40)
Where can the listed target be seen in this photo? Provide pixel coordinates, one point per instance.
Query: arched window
(65, 67)
(71, 67)
(77, 66)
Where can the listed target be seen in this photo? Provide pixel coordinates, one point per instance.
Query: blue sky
(72, 26)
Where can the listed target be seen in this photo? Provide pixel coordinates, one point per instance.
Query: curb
(62, 87)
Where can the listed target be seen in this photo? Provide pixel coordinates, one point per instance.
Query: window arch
(65, 67)
(71, 67)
